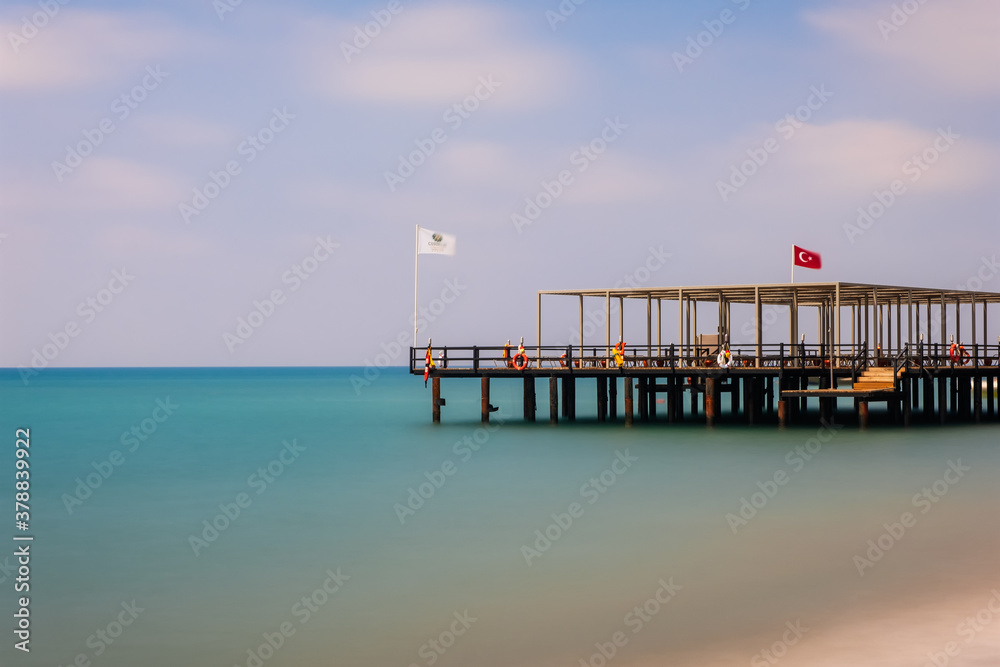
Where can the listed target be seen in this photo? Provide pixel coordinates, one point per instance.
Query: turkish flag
(809, 260)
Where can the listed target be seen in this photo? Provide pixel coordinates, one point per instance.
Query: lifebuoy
(959, 355)
(562, 360)
(520, 361)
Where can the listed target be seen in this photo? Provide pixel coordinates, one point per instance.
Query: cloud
(433, 56)
(77, 48)
(99, 184)
(847, 160)
(951, 44)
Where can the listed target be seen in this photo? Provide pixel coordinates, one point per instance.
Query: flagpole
(416, 279)
(793, 273)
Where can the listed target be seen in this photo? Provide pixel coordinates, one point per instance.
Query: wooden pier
(888, 355)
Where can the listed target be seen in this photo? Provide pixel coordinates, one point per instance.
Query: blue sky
(872, 90)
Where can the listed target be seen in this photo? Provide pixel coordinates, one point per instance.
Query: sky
(237, 183)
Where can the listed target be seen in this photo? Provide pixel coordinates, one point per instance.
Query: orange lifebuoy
(520, 361)
(562, 360)
(959, 355)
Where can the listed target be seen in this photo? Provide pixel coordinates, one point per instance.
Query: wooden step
(879, 371)
(873, 386)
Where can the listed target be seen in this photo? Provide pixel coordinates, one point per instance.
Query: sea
(315, 516)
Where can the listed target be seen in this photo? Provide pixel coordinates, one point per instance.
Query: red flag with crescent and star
(806, 258)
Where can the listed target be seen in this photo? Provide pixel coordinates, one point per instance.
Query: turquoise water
(466, 568)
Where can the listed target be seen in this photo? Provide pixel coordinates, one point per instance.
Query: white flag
(435, 243)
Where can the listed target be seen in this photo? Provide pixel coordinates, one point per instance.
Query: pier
(921, 354)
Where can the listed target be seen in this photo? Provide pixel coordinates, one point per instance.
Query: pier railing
(778, 355)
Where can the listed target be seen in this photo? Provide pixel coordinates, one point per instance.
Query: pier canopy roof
(805, 294)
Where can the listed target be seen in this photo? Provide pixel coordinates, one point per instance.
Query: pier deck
(928, 379)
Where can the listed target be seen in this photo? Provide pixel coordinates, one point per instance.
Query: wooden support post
(964, 390)
(627, 387)
(783, 412)
(927, 409)
(643, 400)
(613, 398)
(436, 399)
(907, 404)
(529, 398)
(485, 402)
(748, 400)
(694, 396)
(863, 414)
(769, 395)
(553, 399)
(942, 383)
(734, 395)
(710, 400)
(989, 396)
(671, 400)
(977, 398)
(651, 397)
(602, 398)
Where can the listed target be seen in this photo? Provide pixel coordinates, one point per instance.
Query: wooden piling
(484, 384)
(643, 400)
(977, 398)
(734, 396)
(627, 386)
(529, 398)
(613, 398)
(602, 399)
(710, 400)
(553, 399)
(783, 412)
(671, 399)
(694, 396)
(436, 399)
(942, 386)
(863, 414)
(907, 403)
(651, 398)
(927, 409)
(989, 397)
